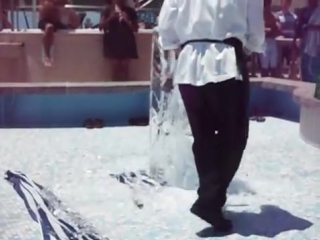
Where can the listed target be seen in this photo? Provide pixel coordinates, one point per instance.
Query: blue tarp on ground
(56, 222)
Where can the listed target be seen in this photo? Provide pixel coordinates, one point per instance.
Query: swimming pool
(116, 108)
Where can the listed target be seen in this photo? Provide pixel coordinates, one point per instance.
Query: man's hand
(74, 19)
(124, 16)
(102, 24)
(106, 19)
(278, 28)
(177, 52)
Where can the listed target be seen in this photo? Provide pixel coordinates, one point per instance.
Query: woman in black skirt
(119, 23)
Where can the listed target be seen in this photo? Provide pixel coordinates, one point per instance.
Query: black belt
(236, 44)
(241, 59)
(233, 42)
(204, 40)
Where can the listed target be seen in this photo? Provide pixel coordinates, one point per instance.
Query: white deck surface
(276, 194)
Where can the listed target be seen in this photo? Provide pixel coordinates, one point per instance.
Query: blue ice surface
(275, 193)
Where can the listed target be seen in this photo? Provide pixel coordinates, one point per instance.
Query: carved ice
(171, 157)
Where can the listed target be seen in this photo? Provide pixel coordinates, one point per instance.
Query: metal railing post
(34, 13)
(1, 23)
(12, 14)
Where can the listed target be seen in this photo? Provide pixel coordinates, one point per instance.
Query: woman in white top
(211, 36)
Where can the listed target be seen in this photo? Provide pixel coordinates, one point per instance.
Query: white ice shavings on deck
(278, 166)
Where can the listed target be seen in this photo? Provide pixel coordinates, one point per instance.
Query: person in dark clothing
(288, 21)
(119, 23)
(306, 27)
(213, 81)
(269, 59)
(5, 23)
(303, 18)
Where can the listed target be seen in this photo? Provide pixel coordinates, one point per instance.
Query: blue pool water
(58, 110)
(274, 103)
(54, 110)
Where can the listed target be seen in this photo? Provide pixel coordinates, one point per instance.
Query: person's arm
(134, 20)
(106, 16)
(300, 24)
(168, 37)
(296, 18)
(255, 27)
(6, 24)
(74, 20)
(277, 27)
(42, 12)
(131, 17)
(313, 27)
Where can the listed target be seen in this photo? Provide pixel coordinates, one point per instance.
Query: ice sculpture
(171, 157)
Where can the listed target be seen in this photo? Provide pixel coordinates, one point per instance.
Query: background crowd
(292, 48)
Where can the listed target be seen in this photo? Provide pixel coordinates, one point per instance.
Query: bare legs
(120, 70)
(47, 42)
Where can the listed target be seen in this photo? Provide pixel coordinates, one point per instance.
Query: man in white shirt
(211, 36)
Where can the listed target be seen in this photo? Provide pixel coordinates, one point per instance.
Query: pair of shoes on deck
(96, 123)
(258, 118)
(214, 218)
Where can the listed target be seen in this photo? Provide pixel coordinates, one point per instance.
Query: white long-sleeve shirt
(201, 62)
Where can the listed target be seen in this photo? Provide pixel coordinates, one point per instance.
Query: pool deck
(276, 193)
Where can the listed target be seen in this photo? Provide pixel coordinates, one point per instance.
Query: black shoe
(214, 218)
(98, 123)
(88, 124)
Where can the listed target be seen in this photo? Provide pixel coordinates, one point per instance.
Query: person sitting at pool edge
(5, 21)
(54, 16)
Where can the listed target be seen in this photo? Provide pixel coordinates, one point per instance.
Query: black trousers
(217, 114)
